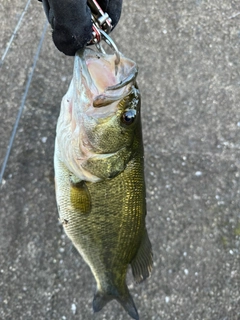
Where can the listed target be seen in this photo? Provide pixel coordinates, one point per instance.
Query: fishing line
(14, 33)
(24, 97)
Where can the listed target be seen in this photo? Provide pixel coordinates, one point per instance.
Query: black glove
(71, 21)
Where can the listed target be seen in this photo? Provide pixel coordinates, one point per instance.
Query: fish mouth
(104, 81)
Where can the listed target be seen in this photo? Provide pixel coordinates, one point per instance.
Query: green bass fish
(99, 174)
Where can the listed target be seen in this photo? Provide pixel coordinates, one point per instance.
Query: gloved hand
(71, 21)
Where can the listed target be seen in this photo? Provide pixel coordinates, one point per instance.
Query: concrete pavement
(188, 56)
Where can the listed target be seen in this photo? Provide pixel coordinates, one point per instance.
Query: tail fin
(102, 298)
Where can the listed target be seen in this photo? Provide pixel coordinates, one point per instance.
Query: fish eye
(129, 116)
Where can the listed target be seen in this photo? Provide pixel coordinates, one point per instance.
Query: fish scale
(101, 196)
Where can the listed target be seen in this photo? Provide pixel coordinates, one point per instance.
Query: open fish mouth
(105, 81)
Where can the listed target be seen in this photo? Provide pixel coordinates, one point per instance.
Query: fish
(99, 174)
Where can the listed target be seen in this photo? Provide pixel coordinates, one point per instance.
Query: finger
(71, 23)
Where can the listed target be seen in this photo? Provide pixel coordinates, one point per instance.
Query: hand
(71, 21)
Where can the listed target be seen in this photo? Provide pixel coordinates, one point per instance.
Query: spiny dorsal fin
(143, 261)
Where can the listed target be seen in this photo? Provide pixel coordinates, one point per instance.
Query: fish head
(112, 111)
(100, 113)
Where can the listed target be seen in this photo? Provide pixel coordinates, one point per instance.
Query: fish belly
(106, 222)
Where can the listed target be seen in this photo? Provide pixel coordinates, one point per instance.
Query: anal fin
(143, 261)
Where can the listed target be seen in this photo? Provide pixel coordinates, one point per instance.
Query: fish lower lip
(126, 81)
(104, 100)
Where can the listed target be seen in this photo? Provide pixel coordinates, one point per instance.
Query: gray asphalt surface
(188, 54)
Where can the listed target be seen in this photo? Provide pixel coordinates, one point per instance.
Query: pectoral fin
(80, 197)
(142, 263)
